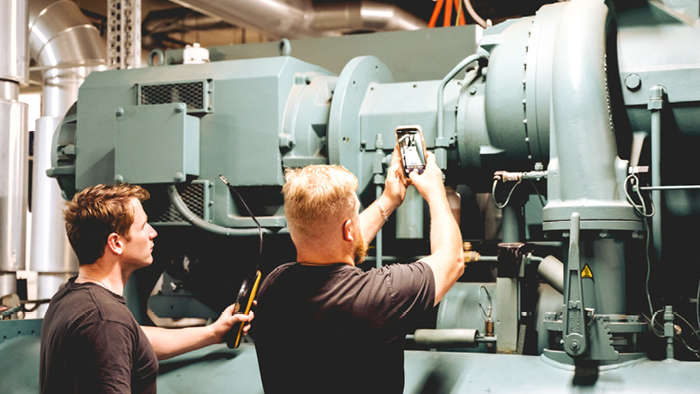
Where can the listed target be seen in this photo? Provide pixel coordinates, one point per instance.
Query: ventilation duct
(300, 19)
(66, 48)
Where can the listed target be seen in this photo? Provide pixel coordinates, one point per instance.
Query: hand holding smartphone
(412, 148)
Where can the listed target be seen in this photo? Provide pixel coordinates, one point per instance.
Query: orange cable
(448, 14)
(436, 13)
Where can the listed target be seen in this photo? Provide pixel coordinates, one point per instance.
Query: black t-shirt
(338, 329)
(90, 343)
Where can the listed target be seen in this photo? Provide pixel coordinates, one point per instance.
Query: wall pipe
(440, 142)
(193, 219)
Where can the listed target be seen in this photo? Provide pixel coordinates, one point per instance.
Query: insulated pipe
(66, 47)
(13, 143)
(363, 16)
(580, 105)
(583, 133)
(298, 18)
(552, 271)
(188, 215)
(446, 337)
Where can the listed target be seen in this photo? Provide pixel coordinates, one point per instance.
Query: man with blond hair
(325, 326)
(90, 342)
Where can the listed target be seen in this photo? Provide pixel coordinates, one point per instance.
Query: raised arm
(446, 258)
(171, 342)
(372, 218)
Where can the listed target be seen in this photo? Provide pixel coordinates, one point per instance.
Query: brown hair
(96, 212)
(314, 195)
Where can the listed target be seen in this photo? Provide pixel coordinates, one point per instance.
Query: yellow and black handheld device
(249, 287)
(244, 302)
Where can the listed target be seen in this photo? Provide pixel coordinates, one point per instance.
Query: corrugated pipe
(66, 47)
(193, 219)
(299, 19)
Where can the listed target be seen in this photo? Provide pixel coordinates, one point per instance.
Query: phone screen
(412, 148)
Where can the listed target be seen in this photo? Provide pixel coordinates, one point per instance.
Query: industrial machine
(580, 124)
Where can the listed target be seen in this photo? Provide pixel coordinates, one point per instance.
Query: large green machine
(595, 104)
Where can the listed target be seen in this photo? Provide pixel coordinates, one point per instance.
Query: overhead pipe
(299, 19)
(66, 47)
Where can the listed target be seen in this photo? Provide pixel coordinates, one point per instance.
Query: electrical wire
(658, 330)
(487, 315)
(646, 253)
(538, 193)
(230, 187)
(493, 193)
(643, 210)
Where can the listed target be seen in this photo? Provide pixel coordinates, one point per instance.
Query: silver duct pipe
(66, 47)
(363, 16)
(13, 142)
(298, 18)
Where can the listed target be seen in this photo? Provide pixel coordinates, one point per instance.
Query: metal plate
(344, 119)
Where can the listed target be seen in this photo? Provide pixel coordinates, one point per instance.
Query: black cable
(234, 193)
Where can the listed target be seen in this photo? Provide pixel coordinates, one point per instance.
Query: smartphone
(412, 148)
(244, 302)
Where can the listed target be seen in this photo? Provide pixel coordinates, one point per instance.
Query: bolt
(574, 345)
(120, 111)
(472, 90)
(119, 178)
(179, 177)
(180, 108)
(633, 82)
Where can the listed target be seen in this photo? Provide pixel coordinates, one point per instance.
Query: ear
(347, 231)
(114, 244)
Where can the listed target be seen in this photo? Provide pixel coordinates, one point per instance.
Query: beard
(361, 248)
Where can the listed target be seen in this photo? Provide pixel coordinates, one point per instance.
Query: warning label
(586, 273)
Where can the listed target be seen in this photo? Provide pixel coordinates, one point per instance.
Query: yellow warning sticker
(586, 273)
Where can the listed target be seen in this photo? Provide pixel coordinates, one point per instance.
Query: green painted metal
(141, 130)
(549, 95)
(415, 55)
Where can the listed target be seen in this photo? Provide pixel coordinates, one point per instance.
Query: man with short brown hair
(90, 342)
(325, 326)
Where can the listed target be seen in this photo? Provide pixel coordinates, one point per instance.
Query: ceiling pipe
(66, 47)
(299, 19)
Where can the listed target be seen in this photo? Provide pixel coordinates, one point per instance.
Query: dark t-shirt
(90, 343)
(338, 329)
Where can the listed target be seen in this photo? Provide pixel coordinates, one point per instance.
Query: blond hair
(316, 195)
(96, 212)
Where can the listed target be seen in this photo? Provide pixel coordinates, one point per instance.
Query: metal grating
(190, 93)
(159, 209)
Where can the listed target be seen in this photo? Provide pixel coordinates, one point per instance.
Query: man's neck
(107, 276)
